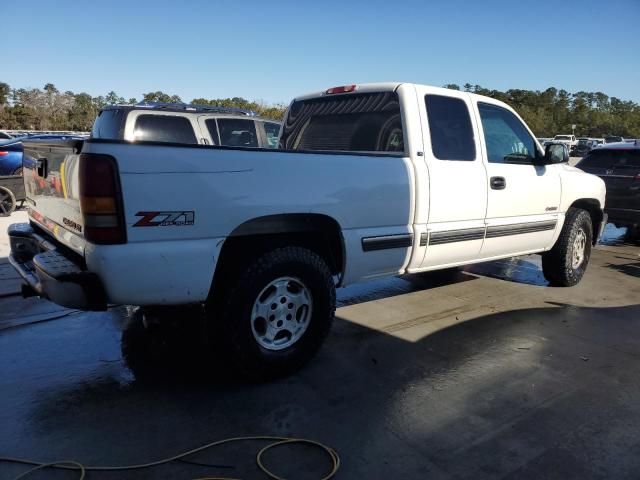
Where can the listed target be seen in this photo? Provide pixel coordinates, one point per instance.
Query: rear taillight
(101, 200)
(3, 153)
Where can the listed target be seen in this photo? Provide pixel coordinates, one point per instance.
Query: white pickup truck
(569, 140)
(369, 180)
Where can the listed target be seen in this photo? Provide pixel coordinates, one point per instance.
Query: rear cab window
(164, 128)
(360, 122)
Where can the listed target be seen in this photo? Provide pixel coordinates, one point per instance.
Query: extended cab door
(523, 198)
(457, 178)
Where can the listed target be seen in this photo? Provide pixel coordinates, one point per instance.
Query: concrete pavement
(485, 373)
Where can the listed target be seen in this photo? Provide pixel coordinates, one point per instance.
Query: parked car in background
(52, 136)
(584, 146)
(618, 165)
(10, 157)
(5, 136)
(370, 180)
(568, 140)
(186, 124)
(613, 139)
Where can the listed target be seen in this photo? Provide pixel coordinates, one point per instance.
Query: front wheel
(276, 315)
(565, 264)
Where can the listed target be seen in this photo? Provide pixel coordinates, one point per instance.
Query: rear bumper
(52, 273)
(623, 216)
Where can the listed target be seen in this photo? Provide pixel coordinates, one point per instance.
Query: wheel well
(319, 233)
(592, 206)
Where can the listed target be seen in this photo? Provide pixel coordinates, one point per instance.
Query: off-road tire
(230, 315)
(557, 263)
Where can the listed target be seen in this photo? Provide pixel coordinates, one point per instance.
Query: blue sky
(272, 50)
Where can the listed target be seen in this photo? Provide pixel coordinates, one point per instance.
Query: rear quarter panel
(223, 188)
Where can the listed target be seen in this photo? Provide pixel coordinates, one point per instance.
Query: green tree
(160, 97)
(82, 113)
(113, 98)
(5, 92)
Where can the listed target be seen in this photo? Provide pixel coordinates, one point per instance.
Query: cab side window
(506, 138)
(237, 132)
(450, 128)
(164, 128)
(272, 132)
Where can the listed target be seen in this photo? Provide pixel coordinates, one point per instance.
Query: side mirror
(556, 153)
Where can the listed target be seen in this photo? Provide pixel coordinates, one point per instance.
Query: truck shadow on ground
(631, 268)
(521, 392)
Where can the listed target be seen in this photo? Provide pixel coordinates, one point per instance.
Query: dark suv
(619, 166)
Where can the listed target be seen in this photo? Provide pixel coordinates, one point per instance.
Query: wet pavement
(484, 373)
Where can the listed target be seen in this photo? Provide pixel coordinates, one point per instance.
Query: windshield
(612, 139)
(583, 141)
(562, 137)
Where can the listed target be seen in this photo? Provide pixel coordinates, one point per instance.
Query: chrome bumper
(51, 273)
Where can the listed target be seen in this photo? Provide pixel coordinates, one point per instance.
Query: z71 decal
(164, 219)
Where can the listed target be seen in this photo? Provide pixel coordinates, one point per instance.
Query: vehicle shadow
(631, 268)
(486, 398)
(393, 286)
(526, 270)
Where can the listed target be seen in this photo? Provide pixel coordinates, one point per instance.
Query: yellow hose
(275, 442)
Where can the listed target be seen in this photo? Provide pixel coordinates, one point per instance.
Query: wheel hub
(579, 248)
(281, 313)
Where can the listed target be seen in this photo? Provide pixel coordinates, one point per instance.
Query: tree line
(554, 111)
(547, 112)
(50, 109)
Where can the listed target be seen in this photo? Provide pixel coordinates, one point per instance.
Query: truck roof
(387, 87)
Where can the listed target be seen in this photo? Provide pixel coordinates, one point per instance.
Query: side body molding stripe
(452, 236)
(520, 228)
(385, 242)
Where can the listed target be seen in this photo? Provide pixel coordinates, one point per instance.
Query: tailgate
(51, 185)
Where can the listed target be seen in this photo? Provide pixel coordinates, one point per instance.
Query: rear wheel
(277, 313)
(564, 265)
(7, 202)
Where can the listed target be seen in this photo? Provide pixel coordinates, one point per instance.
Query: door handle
(498, 183)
